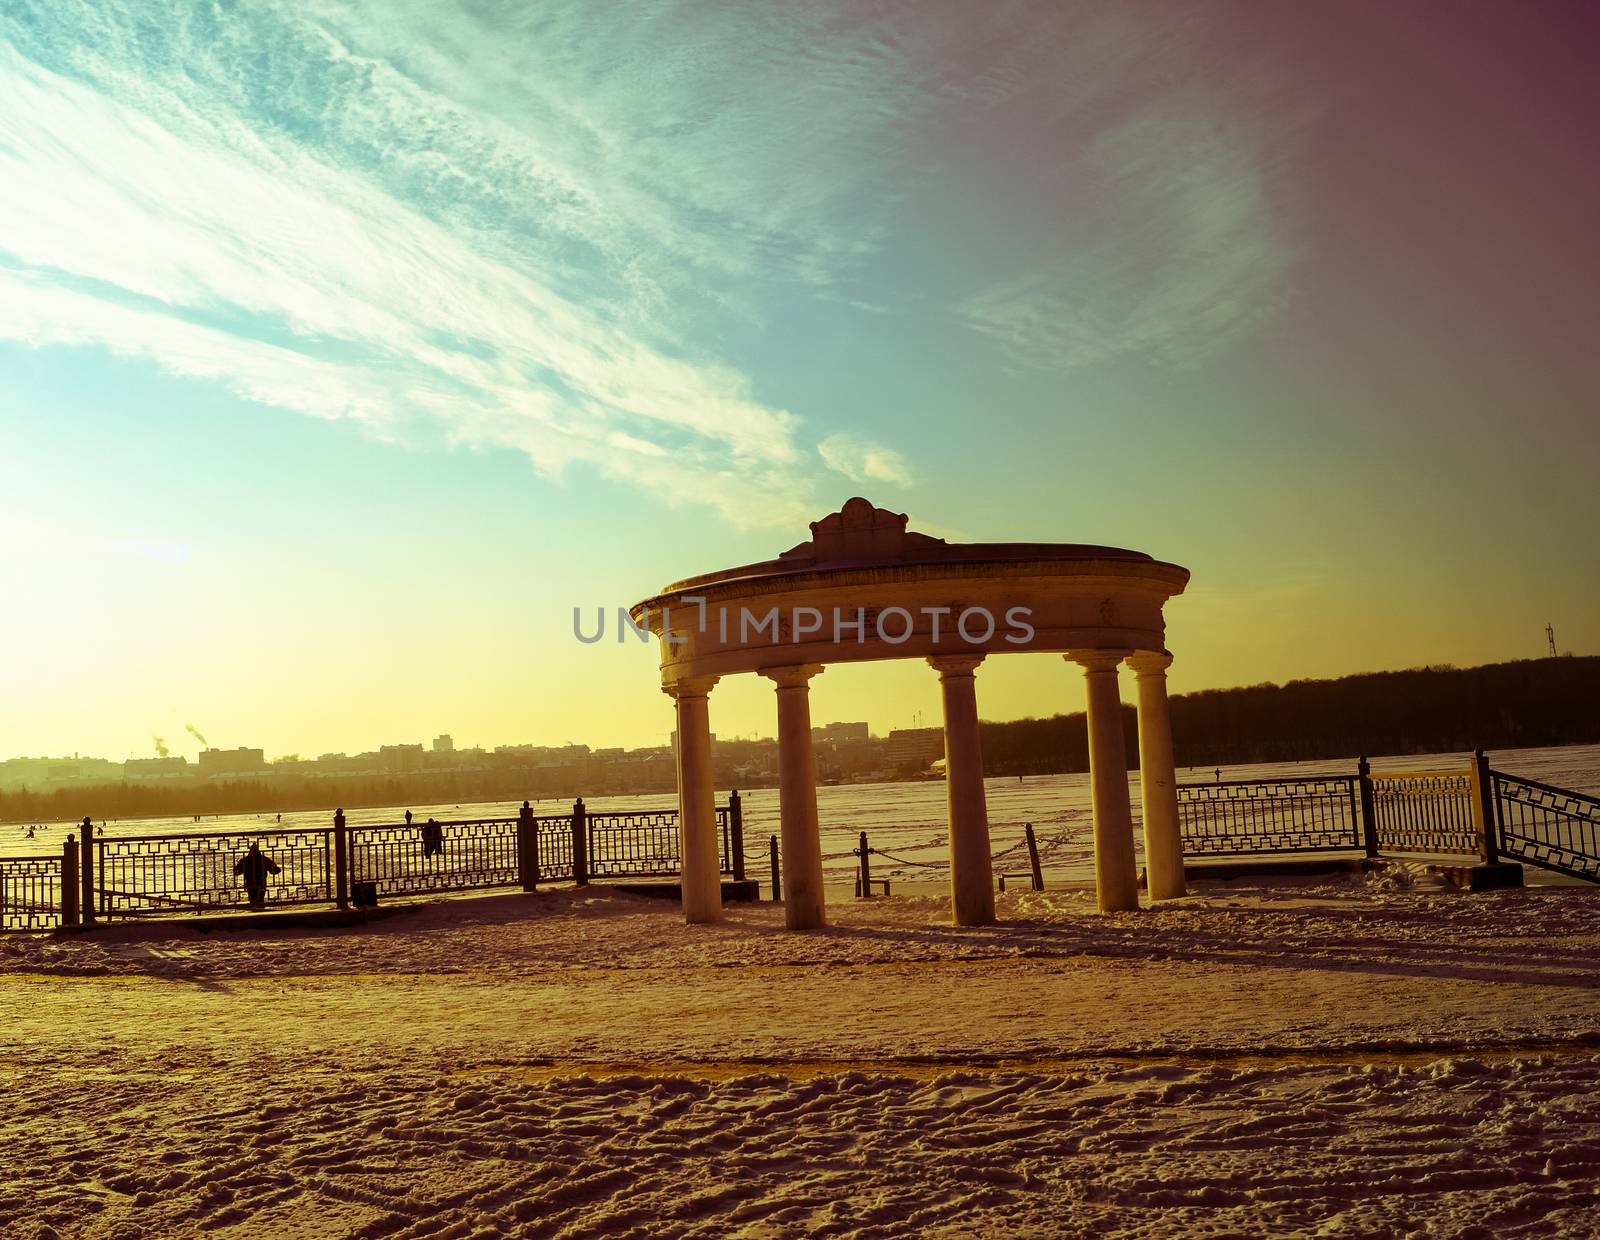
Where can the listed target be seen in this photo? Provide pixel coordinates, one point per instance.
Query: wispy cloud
(523, 227)
(1178, 231)
(198, 217)
(861, 460)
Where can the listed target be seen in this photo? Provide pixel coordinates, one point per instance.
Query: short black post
(70, 901)
(527, 849)
(86, 871)
(1483, 785)
(580, 843)
(866, 868)
(1369, 811)
(1033, 856)
(772, 850)
(341, 861)
(736, 823)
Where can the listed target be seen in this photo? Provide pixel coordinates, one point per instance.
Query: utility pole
(1550, 636)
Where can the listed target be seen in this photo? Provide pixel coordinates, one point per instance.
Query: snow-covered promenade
(1289, 1058)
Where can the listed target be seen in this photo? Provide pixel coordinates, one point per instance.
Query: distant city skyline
(842, 747)
(343, 355)
(856, 729)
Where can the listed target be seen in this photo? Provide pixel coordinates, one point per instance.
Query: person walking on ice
(254, 867)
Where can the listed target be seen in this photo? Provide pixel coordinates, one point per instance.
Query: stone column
(697, 801)
(1115, 875)
(797, 798)
(1158, 777)
(971, 869)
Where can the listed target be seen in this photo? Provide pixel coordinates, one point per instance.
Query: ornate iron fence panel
(1548, 826)
(635, 843)
(646, 843)
(1310, 814)
(30, 894)
(554, 835)
(1426, 812)
(725, 835)
(411, 860)
(144, 876)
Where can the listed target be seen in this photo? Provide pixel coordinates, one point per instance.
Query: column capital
(948, 665)
(1097, 660)
(794, 675)
(689, 687)
(1149, 662)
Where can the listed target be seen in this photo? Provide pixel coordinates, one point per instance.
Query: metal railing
(1435, 813)
(552, 844)
(637, 842)
(730, 829)
(1473, 812)
(199, 872)
(1546, 826)
(153, 875)
(647, 842)
(1430, 813)
(465, 854)
(1319, 813)
(32, 895)
(401, 858)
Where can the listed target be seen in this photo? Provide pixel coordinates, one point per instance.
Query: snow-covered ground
(1312, 1057)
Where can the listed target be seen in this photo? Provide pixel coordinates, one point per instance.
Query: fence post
(341, 861)
(580, 843)
(86, 871)
(1033, 856)
(866, 869)
(1483, 807)
(527, 849)
(1369, 813)
(772, 851)
(70, 900)
(736, 821)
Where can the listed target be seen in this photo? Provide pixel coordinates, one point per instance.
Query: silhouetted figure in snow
(254, 867)
(408, 818)
(432, 838)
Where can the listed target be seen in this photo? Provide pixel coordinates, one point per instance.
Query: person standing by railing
(432, 838)
(254, 867)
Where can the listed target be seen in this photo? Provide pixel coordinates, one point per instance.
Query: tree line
(1527, 704)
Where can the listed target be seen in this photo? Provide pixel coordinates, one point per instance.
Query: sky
(346, 349)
